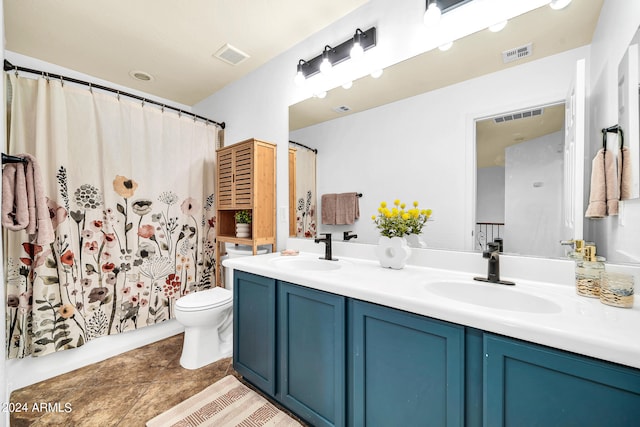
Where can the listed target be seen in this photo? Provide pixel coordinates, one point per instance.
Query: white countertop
(577, 324)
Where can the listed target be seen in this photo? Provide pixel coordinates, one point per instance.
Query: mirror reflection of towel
(624, 173)
(605, 190)
(339, 209)
(328, 204)
(347, 208)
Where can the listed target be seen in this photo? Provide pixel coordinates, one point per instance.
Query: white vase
(413, 240)
(243, 230)
(393, 252)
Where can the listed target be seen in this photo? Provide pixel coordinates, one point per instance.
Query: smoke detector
(230, 55)
(517, 53)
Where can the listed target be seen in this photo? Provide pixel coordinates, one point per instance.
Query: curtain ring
(90, 88)
(118, 95)
(162, 109)
(194, 118)
(16, 70)
(61, 81)
(179, 113)
(143, 102)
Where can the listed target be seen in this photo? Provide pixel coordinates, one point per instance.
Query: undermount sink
(492, 295)
(306, 264)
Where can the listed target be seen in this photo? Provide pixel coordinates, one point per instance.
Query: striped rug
(228, 402)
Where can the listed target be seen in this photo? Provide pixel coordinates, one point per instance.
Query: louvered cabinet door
(225, 179)
(243, 176)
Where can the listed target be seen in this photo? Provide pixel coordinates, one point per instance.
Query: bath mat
(227, 402)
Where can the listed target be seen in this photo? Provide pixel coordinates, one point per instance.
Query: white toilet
(207, 317)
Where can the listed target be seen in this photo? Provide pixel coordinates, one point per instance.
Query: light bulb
(559, 4)
(299, 78)
(325, 66)
(347, 85)
(321, 94)
(498, 26)
(377, 73)
(356, 51)
(432, 14)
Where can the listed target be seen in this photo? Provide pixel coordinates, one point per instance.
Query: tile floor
(125, 390)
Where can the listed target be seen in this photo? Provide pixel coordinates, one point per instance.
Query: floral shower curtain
(130, 195)
(306, 193)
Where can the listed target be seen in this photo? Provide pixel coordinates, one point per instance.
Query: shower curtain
(306, 193)
(130, 195)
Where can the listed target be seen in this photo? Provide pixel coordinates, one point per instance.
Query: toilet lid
(204, 299)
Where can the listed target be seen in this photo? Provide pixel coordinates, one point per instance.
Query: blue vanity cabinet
(311, 328)
(254, 329)
(526, 384)
(404, 369)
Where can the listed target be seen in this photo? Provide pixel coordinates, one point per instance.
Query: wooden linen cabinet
(245, 180)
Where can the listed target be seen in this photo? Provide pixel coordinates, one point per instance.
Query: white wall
(422, 148)
(533, 193)
(616, 237)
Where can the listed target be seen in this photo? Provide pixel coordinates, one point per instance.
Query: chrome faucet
(327, 247)
(346, 236)
(492, 253)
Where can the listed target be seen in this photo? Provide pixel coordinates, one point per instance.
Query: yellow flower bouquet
(399, 221)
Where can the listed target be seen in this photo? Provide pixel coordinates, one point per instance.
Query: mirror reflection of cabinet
(629, 110)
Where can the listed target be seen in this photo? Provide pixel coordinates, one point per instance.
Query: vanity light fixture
(559, 4)
(432, 14)
(332, 56)
(357, 51)
(347, 85)
(300, 77)
(326, 65)
(321, 94)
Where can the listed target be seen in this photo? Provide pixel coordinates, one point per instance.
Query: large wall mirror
(411, 134)
(629, 118)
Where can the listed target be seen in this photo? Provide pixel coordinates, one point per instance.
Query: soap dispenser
(588, 271)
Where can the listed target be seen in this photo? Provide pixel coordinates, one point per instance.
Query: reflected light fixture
(325, 65)
(446, 46)
(347, 85)
(321, 95)
(432, 14)
(357, 51)
(559, 4)
(499, 26)
(377, 73)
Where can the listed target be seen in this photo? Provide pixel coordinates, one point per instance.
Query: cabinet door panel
(405, 369)
(528, 384)
(254, 329)
(312, 353)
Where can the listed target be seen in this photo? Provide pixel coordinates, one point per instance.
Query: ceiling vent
(341, 109)
(517, 53)
(231, 55)
(518, 115)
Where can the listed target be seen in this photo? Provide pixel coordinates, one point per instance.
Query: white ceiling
(174, 41)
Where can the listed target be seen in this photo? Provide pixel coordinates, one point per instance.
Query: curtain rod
(8, 66)
(303, 146)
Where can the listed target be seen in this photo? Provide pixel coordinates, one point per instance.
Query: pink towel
(624, 173)
(329, 202)
(15, 209)
(27, 191)
(347, 208)
(605, 191)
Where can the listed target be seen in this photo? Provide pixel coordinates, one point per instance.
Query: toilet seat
(204, 300)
